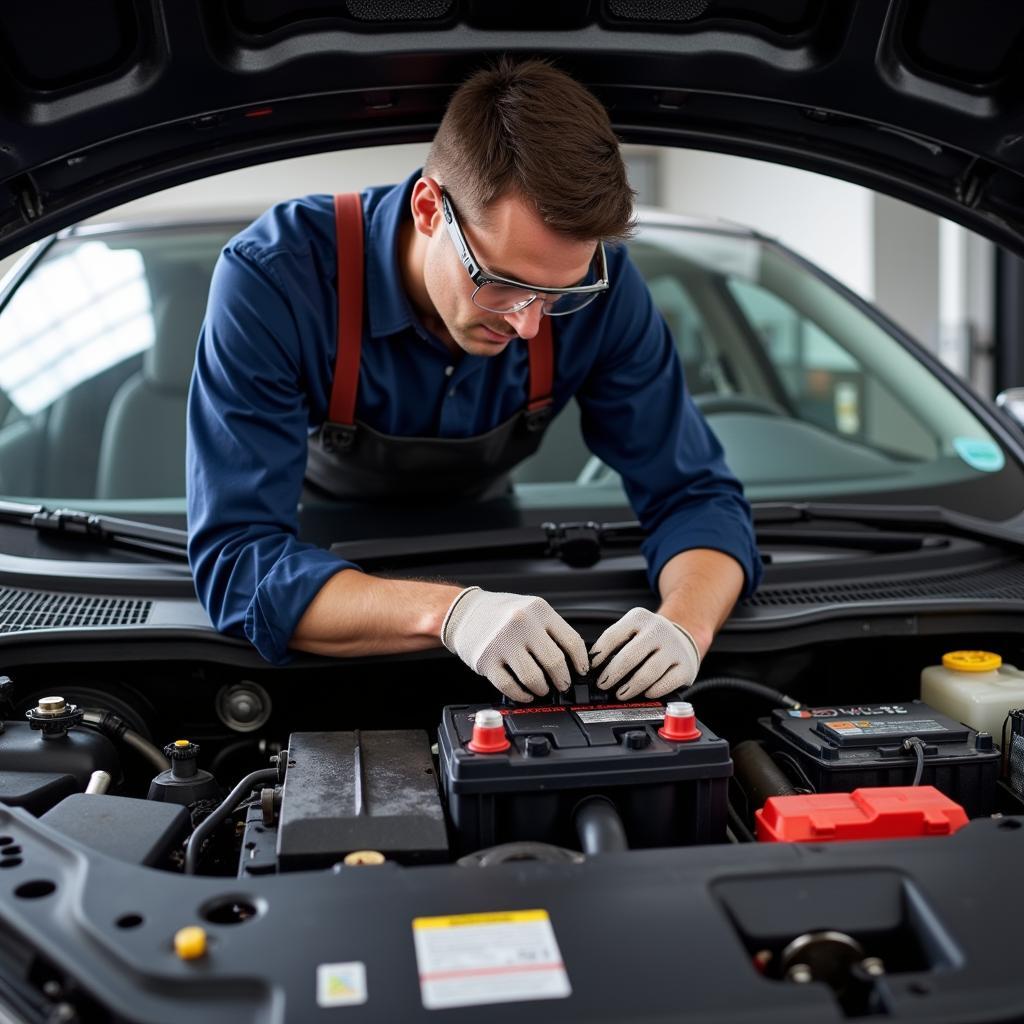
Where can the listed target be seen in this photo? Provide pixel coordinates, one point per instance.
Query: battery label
(476, 959)
(856, 711)
(880, 726)
(622, 715)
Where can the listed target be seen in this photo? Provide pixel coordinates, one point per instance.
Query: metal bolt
(50, 705)
(873, 965)
(800, 974)
(269, 803)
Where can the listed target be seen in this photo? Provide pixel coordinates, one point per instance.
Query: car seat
(142, 452)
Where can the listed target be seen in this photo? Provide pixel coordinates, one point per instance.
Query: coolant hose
(775, 697)
(758, 775)
(220, 813)
(599, 826)
(115, 728)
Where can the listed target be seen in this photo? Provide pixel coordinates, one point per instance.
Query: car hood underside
(107, 101)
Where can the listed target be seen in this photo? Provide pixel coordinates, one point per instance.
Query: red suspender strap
(348, 223)
(542, 367)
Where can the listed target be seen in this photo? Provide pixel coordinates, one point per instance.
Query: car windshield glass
(809, 391)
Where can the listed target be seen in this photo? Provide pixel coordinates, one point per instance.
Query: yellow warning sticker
(499, 957)
(461, 920)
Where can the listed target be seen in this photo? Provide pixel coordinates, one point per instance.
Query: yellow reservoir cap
(190, 942)
(364, 857)
(971, 661)
(181, 743)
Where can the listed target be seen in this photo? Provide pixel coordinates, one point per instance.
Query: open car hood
(106, 101)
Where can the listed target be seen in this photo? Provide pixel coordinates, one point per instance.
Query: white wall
(828, 221)
(264, 184)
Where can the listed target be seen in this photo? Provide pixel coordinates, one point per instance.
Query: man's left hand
(666, 654)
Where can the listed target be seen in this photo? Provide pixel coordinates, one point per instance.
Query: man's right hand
(514, 640)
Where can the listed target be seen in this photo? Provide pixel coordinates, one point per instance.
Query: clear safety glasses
(499, 294)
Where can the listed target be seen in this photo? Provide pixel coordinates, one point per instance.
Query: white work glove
(672, 659)
(513, 639)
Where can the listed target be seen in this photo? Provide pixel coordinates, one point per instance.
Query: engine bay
(380, 757)
(226, 773)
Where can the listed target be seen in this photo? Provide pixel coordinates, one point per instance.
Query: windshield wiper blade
(99, 529)
(890, 517)
(581, 544)
(578, 544)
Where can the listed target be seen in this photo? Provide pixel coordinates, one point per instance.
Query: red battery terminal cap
(680, 722)
(488, 733)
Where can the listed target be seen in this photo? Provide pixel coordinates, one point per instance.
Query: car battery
(667, 791)
(840, 749)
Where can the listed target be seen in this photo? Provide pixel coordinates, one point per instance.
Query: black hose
(758, 775)
(599, 827)
(739, 827)
(775, 697)
(221, 812)
(115, 728)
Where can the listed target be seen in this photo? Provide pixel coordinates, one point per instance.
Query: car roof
(119, 98)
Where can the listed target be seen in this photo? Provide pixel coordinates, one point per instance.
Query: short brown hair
(526, 127)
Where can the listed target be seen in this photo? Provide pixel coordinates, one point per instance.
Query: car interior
(119, 433)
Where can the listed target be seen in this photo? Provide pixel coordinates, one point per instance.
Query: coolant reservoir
(975, 688)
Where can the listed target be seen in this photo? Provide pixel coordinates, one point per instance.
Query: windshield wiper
(578, 544)
(98, 529)
(896, 518)
(581, 544)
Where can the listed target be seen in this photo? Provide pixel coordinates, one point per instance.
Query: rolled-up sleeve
(638, 417)
(248, 417)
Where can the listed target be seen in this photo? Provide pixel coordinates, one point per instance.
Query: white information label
(622, 715)
(476, 959)
(341, 984)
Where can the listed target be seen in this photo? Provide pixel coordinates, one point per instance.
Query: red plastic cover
(889, 812)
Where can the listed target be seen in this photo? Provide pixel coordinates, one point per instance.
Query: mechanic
(496, 289)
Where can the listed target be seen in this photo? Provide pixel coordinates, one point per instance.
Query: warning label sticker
(341, 984)
(476, 959)
(876, 726)
(622, 715)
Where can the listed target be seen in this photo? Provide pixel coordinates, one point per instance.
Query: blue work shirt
(262, 382)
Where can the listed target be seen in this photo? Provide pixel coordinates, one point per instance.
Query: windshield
(809, 394)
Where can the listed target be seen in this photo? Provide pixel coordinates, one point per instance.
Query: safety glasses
(499, 294)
